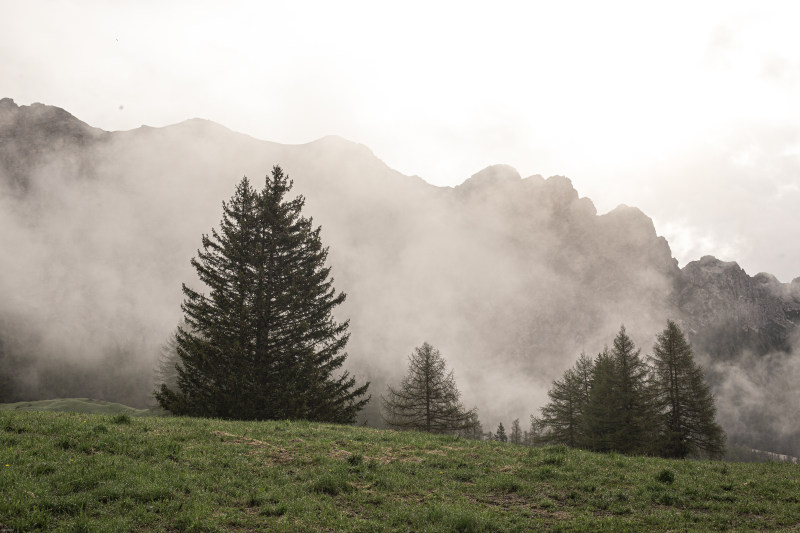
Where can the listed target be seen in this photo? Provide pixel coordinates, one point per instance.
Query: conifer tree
(684, 399)
(536, 432)
(427, 399)
(562, 415)
(516, 432)
(500, 434)
(601, 417)
(620, 413)
(636, 414)
(262, 344)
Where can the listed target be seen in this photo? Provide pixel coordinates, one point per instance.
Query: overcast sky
(689, 111)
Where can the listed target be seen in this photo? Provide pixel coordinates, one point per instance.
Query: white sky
(687, 110)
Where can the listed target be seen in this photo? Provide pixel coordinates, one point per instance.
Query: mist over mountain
(510, 278)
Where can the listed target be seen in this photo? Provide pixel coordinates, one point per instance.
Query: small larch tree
(263, 343)
(427, 399)
(684, 399)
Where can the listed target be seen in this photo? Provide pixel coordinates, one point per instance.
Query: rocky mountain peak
(735, 311)
(491, 176)
(30, 135)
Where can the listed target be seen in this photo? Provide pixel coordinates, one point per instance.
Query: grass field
(83, 472)
(76, 405)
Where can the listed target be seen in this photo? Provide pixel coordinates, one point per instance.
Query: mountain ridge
(524, 269)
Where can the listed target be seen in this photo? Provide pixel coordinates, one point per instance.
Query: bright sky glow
(687, 110)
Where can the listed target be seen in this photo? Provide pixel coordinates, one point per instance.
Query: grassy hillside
(78, 472)
(76, 405)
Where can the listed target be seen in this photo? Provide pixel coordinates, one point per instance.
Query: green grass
(77, 472)
(77, 405)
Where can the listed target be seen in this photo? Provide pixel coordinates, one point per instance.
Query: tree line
(620, 401)
(262, 343)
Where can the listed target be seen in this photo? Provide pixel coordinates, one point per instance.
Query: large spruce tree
(263, 344)
(428, 399)
(620, 414)
(684, 399)
(635, 408)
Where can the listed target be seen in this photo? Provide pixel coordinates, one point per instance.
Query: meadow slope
(88, 472)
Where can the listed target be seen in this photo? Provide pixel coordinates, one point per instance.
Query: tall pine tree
(263, 343)
(636, 420)
(684, 399)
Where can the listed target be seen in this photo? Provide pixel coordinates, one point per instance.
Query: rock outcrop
(728, 311)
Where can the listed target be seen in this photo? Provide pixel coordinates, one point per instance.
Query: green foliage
(684, 399)
(666, 476)
(565, 415)
(619, 403)
(263, 343)
(195, 474)
(121, 419)
(630, 411)
(500, 434)
(428, 399)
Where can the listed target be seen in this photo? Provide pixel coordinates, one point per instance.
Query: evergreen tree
(620, 413)
(500, 434)
(684, 399)
(263, 343)
(516, 432)
(636, 415)
(584, 373)
(427, 399)
(602, 414)
(564, 416)
(168, 360)
(561, 417)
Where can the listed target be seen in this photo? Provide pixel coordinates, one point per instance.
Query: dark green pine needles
(262, 344)
(688, 413)
(618, 402)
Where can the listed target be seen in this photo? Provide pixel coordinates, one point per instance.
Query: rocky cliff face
(729, 312)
